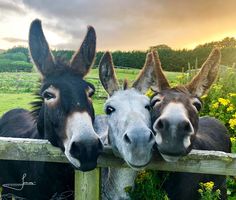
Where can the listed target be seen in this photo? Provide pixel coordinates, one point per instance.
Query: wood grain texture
(198, 161)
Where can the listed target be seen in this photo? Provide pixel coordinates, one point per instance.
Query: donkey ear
(39, 49)
(206, 76)
(83, 59)
(162, 82)
(146, 77)
(107, 74)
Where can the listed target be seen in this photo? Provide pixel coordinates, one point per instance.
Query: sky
(119, 24)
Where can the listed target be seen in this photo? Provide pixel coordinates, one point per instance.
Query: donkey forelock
(66, 106)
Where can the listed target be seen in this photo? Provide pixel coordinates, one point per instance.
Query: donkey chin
(174, 156)
(137, 162)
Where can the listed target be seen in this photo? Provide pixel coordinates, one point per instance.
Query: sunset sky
(120, 24)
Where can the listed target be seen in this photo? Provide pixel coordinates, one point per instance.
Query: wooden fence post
(87, 185)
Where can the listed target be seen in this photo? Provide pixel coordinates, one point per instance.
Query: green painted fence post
(87, 185)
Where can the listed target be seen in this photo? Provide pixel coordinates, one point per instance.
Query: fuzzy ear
(146, 77)
(107, 74)
(162, 82)
(83, 59)
(39, 49)
(206, 76)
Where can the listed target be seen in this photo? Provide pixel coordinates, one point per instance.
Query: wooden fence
(209, 162)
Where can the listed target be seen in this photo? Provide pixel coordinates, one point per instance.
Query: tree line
(172, 60)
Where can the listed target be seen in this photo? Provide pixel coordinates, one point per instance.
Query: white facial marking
(158, 137)
(170, 158)
(174, 111)
(77, 125)
(187, 141)
(130, 113)
(55, 92)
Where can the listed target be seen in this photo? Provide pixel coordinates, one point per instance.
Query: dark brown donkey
(178, 128)
(64, 115)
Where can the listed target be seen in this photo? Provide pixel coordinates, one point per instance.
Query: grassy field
(22, 100)
(16, 89)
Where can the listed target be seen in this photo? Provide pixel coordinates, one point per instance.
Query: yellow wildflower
(230, 108)
(223, 101)
(232, 94)
(233, 139)
(208, 185)
(215, 105)
(200, 190)
(232, 123)
(149, 93)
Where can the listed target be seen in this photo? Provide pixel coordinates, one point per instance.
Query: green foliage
(15, 66)
(207, 191)
(172, 60)
(147, 186)
(18, 56)
(220, 102)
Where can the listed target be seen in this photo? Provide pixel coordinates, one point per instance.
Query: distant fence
(87, 184)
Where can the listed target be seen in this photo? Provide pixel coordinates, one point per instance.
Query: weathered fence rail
(210, 162)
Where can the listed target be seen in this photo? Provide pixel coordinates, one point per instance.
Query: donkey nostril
(127, 139)
(187, 126)
(75, 148)
(160, 124)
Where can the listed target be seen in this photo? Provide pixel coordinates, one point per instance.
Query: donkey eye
(90, 91)
(197, 104)
(148, 107)
(155, 101)
(48, 95)
(109, 110)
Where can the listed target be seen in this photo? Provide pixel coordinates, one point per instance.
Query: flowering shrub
(224, 109)
(207, 191)
(148, 185)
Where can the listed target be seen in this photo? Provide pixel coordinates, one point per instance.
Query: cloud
(136, 24)
(11, 7)
(14, 40)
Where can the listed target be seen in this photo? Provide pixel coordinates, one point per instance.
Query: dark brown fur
(209, 133)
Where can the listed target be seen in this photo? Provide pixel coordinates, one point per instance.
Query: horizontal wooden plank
(210, 162)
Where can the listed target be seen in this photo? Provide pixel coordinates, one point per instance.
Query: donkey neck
(115, 181)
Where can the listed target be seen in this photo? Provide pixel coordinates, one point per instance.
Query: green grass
(23, 82)
(11, 101)
(16, 89)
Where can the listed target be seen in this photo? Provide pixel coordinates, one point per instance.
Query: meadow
(17, 89)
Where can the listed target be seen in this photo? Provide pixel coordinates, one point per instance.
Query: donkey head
(128, 113)
(175, 110)
(66, 114)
